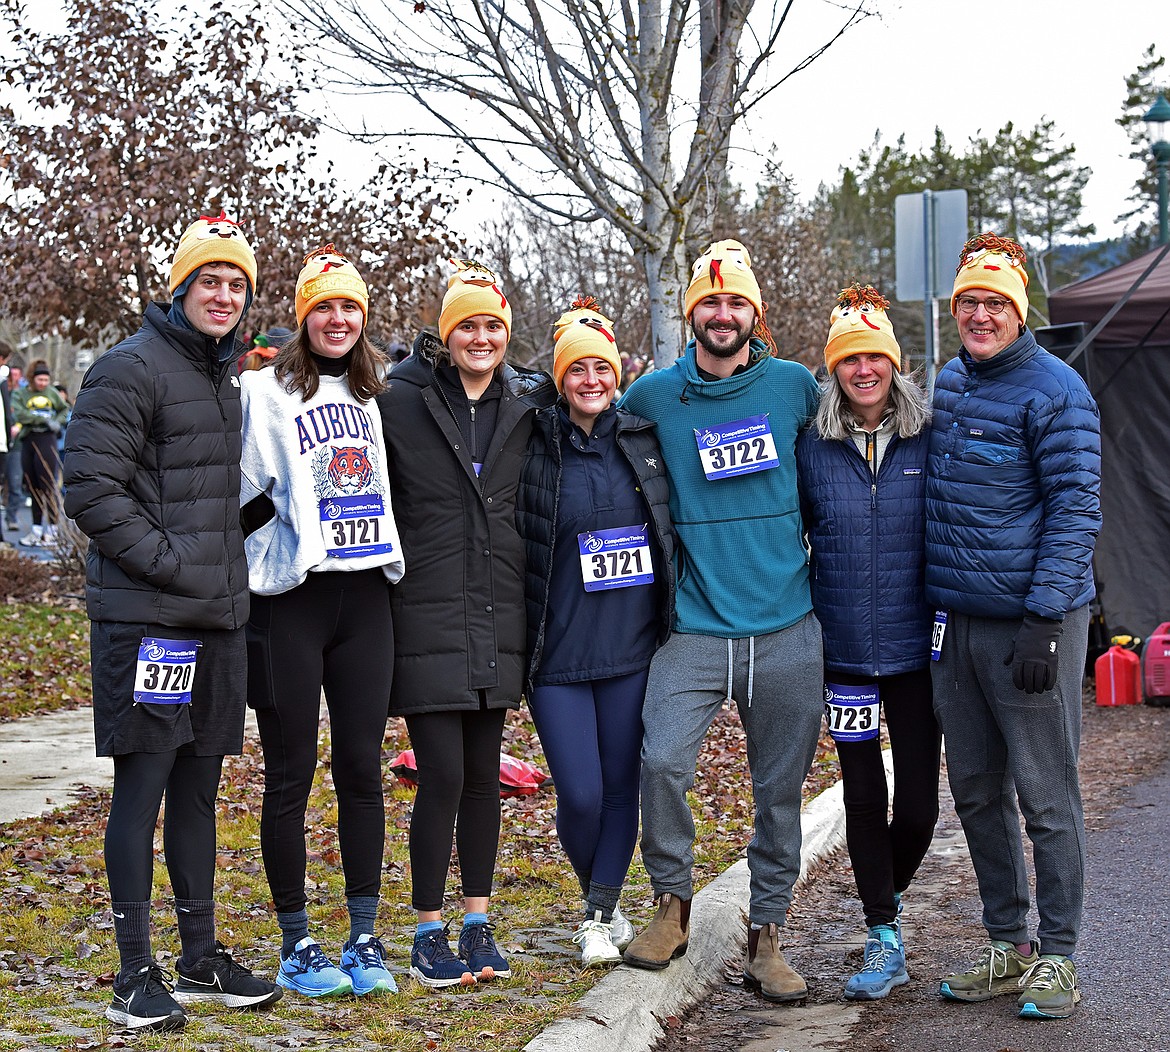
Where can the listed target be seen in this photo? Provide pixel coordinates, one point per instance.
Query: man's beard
(717, 350)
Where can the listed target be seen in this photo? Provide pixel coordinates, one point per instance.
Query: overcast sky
(969, 69)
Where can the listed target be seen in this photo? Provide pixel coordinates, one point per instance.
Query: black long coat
(459, 622)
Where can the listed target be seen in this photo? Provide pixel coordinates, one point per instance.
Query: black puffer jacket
(459, 610)
(152, 477)
(540, 489)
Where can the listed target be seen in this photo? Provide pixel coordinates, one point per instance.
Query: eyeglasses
(969, 304)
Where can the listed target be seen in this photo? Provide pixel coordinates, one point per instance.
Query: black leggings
(42, 469)
(333, 632)
(886, 852)
(190, 784)
(458, 760)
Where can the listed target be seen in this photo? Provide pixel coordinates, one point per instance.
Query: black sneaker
(219, 979)
(142, 1001)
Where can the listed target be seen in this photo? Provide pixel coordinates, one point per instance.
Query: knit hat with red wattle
(995, 264)
(859, 325)
(584, 332)
(473, 289)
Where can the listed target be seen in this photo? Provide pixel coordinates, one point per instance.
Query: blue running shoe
(884, 968)
(479, 950)
(308, 971)
(364, 961)
(433, 964)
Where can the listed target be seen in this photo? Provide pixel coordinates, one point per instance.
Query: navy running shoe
(479, 950)
(433, 964)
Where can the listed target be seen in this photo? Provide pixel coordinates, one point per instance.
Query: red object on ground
(1119, 677)
(1156, 663)
(517, 777)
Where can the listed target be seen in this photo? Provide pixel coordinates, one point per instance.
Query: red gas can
(1156, 663)
(1119, 677)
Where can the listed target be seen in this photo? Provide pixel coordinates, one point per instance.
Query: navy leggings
(190, 784)
(591, 734)
(886, 851)
(331, 633)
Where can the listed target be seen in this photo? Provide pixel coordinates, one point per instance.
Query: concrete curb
(627, 1008)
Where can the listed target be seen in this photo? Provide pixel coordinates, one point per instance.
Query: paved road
(1122, 956)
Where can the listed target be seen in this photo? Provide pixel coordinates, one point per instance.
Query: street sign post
(930, 229)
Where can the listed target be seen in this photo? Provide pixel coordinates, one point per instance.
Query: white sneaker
(49, 536)
(597, 948)
(621, 930)
(32, 539)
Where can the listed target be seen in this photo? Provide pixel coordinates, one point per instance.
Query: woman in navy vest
(599, 590)
(862, 477)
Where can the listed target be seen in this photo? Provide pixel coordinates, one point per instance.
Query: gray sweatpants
(777, 683)
(1002, 746)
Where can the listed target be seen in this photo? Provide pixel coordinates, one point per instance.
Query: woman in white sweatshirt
(322, 546)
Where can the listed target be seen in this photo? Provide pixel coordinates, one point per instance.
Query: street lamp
(1156, 121)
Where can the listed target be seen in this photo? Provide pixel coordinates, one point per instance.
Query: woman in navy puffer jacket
(862, 478)
(599, 590)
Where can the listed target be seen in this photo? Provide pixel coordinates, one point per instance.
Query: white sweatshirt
(323, 465)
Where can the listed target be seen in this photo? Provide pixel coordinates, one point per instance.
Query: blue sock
(428, 926)
(474, 918)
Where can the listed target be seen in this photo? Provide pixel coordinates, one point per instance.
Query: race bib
(852, 712)
(738, 447)
(355, 525)
(165, 671)
(936, 634)
(618, 558)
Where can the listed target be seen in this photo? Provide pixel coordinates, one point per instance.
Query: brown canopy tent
(1128, 367)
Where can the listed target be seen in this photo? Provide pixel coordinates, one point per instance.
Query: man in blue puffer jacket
(1013, 511)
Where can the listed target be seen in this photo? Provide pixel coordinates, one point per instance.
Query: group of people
(34, 413)
(436, 542)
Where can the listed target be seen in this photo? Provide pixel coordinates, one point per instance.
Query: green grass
(44, 662)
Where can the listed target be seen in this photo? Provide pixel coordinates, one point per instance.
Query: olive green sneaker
(998, 970)
(1050, 989)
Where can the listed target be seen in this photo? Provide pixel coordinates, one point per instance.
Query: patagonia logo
(976, 431)
(912, 471)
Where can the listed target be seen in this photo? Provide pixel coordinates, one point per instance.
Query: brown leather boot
(665, 937)
(766, 971)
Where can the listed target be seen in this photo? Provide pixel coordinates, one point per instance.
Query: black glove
(1033, 655)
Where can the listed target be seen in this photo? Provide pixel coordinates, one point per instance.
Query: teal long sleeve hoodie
(742, 564)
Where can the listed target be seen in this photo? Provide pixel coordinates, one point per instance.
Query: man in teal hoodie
(727, 414)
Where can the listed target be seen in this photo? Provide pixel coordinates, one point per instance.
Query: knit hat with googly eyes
(584, 332)
(473, 289)
(212, 239)
(859, 325)
(328, 275)
(725, 267)
(995, 264)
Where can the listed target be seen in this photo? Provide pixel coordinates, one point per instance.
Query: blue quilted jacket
(1013, 486)
(868, 556)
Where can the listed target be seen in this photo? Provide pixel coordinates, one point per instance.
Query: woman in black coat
(600, 590)
(456, 423)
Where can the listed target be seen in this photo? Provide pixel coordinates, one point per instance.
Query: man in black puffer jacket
(152, 477)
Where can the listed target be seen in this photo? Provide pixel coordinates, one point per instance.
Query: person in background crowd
(264, 349)
(321, 545)
(861, 468)
(1012, 514)
(457, 421)
(40, 413)
(14, 467)
(152, 477)
(727, 416)
(600, 593)
(6, 429)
